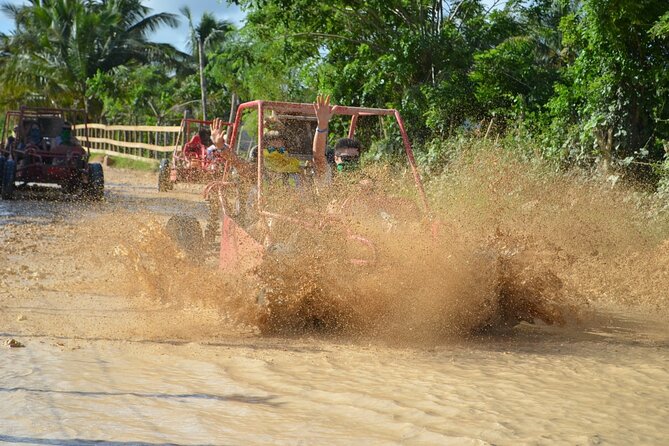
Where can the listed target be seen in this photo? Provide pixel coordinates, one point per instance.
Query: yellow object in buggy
(281, 161)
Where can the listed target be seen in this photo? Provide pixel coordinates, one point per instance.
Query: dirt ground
(124, 345)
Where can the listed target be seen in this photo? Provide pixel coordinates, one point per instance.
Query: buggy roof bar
(308, 109)
(25, 109)
(198, 121)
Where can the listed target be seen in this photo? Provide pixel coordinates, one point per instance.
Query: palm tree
(57, 45)
(207, 32)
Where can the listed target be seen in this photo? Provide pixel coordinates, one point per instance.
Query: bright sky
(176, 37)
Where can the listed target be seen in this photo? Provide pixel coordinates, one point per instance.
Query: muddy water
(603, 386)
(107, 360)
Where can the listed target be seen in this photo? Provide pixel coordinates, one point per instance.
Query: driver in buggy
(11, 140)
(197, 146)
(281, 169)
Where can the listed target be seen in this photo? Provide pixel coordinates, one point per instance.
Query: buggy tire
(8, 178)
(96, 182)
(186, 233)
(164, 183)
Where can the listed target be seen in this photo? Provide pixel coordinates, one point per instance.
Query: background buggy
(191, 162)
(44, 150)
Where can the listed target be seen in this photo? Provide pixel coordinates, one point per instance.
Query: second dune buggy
(191, 162)
(38, 146)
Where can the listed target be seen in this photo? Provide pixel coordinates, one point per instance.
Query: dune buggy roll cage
(25, 112)
(304, 109)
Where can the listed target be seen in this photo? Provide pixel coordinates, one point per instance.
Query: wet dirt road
(105, 362)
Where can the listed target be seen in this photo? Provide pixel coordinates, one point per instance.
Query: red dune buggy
(38, 146)
(240, 206)
(191, 161)
(263, 238)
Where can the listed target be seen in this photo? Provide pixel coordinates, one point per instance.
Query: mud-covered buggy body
(38, 146)
(192, 160)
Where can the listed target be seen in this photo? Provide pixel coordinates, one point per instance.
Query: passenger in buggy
(346, 153)
(34, 135)
(65, 136)
(11, 140)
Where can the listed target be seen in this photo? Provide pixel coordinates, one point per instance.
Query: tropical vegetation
(575, 82)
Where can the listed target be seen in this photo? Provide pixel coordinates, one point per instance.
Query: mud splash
(515, 242)
(126, 338)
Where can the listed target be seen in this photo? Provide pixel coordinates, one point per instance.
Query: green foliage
(261, 63)
(57, 45)
(661, 28)
(612, 103)
(508, 80)
(416, 56)
(573, 81)
(145, 94)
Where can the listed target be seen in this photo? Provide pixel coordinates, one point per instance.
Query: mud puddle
(591, 386)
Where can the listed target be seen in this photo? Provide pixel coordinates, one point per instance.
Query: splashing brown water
(122, 327)
(516, 242)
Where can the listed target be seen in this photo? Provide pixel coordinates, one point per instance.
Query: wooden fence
(135, 142)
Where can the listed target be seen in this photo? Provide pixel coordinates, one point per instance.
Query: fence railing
(136, 142)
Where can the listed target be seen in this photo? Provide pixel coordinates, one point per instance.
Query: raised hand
(218, 133)
(323, 111)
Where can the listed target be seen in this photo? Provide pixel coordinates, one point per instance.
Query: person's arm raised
(323, 112)
(218, 136)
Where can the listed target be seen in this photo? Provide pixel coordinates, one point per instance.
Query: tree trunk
(203, 81)
(233, 111)
(84, 97)
(605, 142)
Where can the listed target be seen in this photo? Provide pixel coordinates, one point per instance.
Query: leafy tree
(516, 77)
(57, 45)
(412, 55)
(144, 95)
(612, 102)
